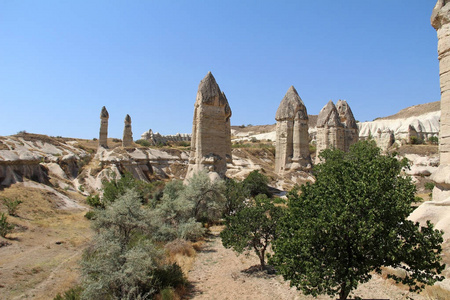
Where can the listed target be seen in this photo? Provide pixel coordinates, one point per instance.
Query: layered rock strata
(440, 20)
(292, 139)
(211, 130)
(127, 140)
(103, 136)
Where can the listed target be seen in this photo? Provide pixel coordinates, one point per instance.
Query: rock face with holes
(103, 137)
(127, 140)
(440, 20)
(211, 131)
(292, 139)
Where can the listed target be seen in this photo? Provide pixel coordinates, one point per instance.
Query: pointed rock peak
(291, 107)
(329, 116)
(209, 92)
(127, 119)
(346, 114)
(104, 113)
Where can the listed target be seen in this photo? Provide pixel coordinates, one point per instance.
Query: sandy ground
(219, 273)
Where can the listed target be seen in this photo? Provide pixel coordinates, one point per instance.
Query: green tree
(352, 221)
(234, 195)
(255, 184)
(252, 227)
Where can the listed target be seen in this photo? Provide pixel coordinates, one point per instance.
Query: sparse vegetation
(434, 140)
(5, 226)
(11, 205)
(143, 143)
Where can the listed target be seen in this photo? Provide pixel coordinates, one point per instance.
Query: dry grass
(181, 252)
(436, 292)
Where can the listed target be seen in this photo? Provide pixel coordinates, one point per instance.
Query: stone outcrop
(211, 130)
(127, 140)
(351, 135)
(292, 139)
(440, 20)
(330, 130)
(155, 138)
(103, 137)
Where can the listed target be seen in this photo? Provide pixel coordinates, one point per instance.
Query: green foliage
(90, 215)
(5, 226)
(434, 140)
(352, 221)
(312, 148)
(115, 188)
(255, 184)
(143, 143)
(11, 205)
(415, 140)
(71, 294)
(235, 196)
(123, 263)
(94, 201)
(253, 227)
(429, 186)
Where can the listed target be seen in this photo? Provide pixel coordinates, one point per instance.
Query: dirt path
(218, 273)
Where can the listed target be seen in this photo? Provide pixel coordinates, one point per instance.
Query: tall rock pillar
(330, 130)
(103, 137)
(351, 132)
(440, 20)
(292, 139)
(211, 131)
(127, 140)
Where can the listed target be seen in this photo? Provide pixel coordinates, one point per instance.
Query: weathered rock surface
(351, 135)
(292, 139)
(103, 136)
(127, 140)
(155, 138)
(330, 130)
(211, 130)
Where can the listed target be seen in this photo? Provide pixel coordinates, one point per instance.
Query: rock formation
(351, 135)
(103, 137)
(127, 140)
(330, 130)
(292, 139)
(155, 138)
(211, 130)
(440, 20)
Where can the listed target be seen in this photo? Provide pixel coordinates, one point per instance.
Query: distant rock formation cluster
(155, 138)
(336, 127)
(440, 20)
(292, 139)
(211, 131)
(127, 140)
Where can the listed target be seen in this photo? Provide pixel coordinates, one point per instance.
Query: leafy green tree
(255, 184)
(234, 195)
(253, 227)
(352, 221)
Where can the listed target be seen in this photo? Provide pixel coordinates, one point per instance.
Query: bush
(5, 226)
(413, 140)
(255, 184)
(90, 215)
(434, 140)
(72, 294)
(143, 143)
(429, 186)
(94, 201)
(11, 205)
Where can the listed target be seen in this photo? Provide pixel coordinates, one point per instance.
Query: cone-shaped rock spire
(351, 132)
(103, 136)
(329, 116)
(211, 130)
(127, 140)
(292, 141)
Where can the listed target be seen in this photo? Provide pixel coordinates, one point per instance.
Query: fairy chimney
(127, 133)
(440, 20)
(330, 130)
(103, 137)
(292, 139)
(351, 132)
(211, 131)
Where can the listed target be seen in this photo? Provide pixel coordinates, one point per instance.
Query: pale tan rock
(292, 139)
(351, 134)
(211, 131)
(103, 137)
(330, 130)
(127, 140)
(440, 20)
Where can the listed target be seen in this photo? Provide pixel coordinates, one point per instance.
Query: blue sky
(61, 61)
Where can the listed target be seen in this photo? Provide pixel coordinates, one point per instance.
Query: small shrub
(116, 140)
(253, 140)
(434, 140)
(312, 148)
(72, 294)
(94, 139)
(414, 140)
(429, 186)
(143, 143)
(170, 276)
(94, 201)
(5, 226)
(90, 215)
(11, 205)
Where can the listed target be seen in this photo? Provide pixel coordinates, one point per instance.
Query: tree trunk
(343, 294)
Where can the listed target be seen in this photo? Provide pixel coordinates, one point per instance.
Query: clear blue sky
(61, 61)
